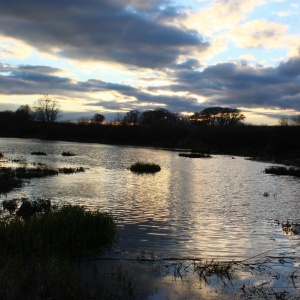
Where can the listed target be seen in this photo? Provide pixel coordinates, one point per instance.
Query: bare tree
(289, 121)
(46, 110)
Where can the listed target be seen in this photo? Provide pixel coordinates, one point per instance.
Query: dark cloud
(240, 85)
(224, 84)
(28, 80)
(127, 32)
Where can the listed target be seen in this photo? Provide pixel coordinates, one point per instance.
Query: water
(211, 208)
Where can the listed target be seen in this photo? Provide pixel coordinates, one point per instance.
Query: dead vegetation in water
(264, 276)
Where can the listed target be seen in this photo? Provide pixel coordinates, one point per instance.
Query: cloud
(193, 88)
(260, 34)
(125, 32)
(221, 15)
(29, 80)
(241, 85)
(13, 49)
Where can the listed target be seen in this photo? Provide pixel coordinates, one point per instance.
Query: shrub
(141, 167)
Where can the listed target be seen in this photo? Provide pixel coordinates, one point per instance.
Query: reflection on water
(219, 207)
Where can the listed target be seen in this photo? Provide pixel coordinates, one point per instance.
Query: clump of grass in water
(69, 230)
(208, 269)
(38, 153)
(67, 153)
(195, 155)
(71, 170)
(142, 167)
(36, 252)
(280, 170)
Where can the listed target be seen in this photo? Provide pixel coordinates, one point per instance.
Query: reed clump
(195, 155)
(39, 252)
(67, 153)
(38, 153)
(70, 230)
(142, 167)
(71, 170)
(27, 173)
(281, 170)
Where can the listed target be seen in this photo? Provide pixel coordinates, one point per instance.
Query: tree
(98, 119)
(289, 121)
(46, 110)
(220, 116)
(24, 114)
(132, 117)
(159, 116)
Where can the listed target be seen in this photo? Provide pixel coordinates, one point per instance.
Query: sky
(113, 56)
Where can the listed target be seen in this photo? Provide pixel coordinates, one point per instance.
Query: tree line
(47, 110)
(213, 128)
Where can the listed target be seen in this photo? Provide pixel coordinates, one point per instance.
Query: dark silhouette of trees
(46, 110)
(219, 116)
(98, 119)
(159, 116)
(290, 121)
(133, 117)
(24, 114)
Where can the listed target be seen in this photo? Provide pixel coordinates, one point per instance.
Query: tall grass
(68, 231)
(36, 258)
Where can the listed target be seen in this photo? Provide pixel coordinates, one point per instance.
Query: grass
(195, 155)
(11, 178)
(38, 153)
(280, 170)
(69, 230)
(142, 167)
(37, 259)
(71, 170)
(213, 268)
(27, 173)
(67, 153)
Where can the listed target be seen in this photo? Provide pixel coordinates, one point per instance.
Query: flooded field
(223, 208)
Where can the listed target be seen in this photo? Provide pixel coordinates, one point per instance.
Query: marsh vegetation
(283, 170)
(143, 167)
(67, 153)
(38, 251)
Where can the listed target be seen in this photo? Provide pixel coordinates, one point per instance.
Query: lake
(221, 207)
